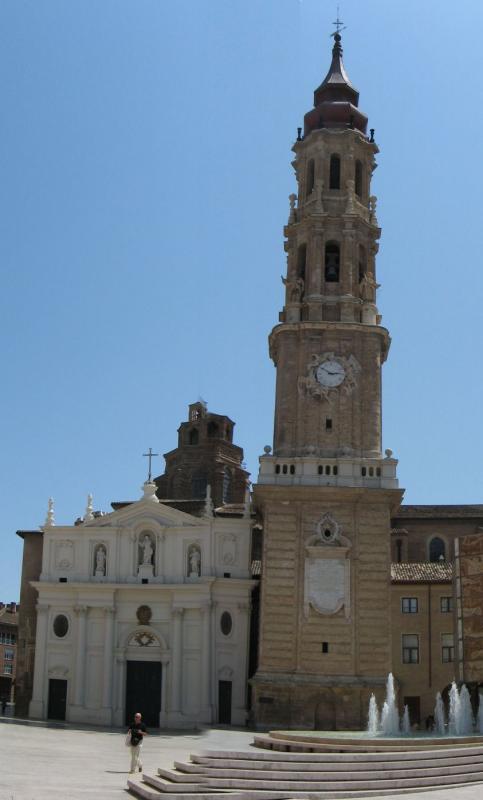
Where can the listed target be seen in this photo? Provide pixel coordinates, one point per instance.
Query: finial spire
(209, 506)
(50, 518)
(89, 513)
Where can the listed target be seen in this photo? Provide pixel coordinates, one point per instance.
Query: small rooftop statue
(50, 518)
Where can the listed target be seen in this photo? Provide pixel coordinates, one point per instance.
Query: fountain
(373, 717)
(466, 721)
(439, 720)
(406, 723)
(390, 714)
(454, 710)
(461, 721)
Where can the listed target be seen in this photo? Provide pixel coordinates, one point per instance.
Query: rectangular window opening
(325, 647)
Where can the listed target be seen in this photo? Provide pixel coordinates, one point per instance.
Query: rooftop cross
(150, 455)
(339, 25)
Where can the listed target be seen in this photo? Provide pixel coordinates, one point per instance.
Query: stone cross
(150, 455)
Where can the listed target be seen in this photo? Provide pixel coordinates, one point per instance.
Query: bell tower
(326, 492)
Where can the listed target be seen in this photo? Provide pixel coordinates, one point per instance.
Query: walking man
(137, 731)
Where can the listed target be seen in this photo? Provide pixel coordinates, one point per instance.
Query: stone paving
(51, 761)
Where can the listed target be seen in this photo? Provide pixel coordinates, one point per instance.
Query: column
(214, 665)
(177, 661)
(37, 706)
(81, 612)
(108, 655)
(206, 648)
(241, 670)
(164, 689)
(121, 690)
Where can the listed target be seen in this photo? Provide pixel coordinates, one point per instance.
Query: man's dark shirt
(135, 735)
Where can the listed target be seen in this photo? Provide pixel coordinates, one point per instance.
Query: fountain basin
(361, 741)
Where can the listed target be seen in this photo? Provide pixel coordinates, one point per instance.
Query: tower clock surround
(326, 493)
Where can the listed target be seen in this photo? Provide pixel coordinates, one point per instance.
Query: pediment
(148, 508)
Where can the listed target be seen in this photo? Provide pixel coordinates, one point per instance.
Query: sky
(146, 167)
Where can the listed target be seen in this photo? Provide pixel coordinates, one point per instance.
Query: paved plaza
(52, 761)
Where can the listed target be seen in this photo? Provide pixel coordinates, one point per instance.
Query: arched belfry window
(193, 436)
(362, 262)
(199, 483)
(437, 549)
(213, 430)
(226, 486)
(301, 261)
(358, 179)
(332, 262)
(309, 185)
(334, 174)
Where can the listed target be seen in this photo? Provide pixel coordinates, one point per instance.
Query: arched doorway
(144, 677)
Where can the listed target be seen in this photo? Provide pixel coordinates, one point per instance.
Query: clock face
(330, 373)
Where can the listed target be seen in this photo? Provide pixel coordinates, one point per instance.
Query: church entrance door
(57, 699)
(224, 702)
(143, 691)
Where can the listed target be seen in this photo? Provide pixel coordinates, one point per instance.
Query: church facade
(157, 599)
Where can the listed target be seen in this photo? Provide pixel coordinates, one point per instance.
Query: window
(7, 638)
(61, 626)
(226, 486)
(446, 605)
(328, 424)
(213, 430)
(334, 175)
(199, 483)
(193, 436)
(310, 178)
(410, 648)
(358, 178)
(437, 549)
(398, 550)
(325, 647)
(226, 623)
(301, 261)
(409, 605)
(9, 655)
(332, 262)
(447, 648)
(8, 669)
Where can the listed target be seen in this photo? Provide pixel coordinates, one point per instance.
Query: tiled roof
(440, 511)
(425, 572)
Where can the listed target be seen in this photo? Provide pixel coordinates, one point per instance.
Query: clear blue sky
(145, 167)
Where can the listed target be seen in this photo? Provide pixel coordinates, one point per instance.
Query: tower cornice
(306, 328)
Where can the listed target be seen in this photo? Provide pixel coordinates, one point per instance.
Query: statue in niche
(194, 562)
(100, 565)
(147, 550)
(295, 289)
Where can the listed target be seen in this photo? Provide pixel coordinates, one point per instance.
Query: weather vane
(339, 25)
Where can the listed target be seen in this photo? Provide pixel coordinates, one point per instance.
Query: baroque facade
(154, 598)
(147, 609)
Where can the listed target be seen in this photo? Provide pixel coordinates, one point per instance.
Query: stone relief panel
(228, 550)
(64, 554)
(327, 569)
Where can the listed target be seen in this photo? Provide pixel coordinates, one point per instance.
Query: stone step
(388, 772)
(260, 755)
(385, 741)
(335, 745)
(146, 792)
(204, 766)
(323, 785)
